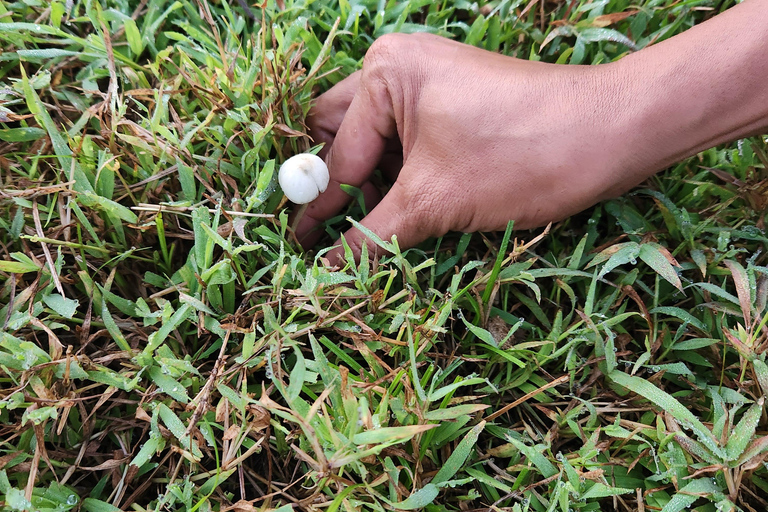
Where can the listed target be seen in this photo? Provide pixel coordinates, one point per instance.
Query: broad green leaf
(61, 305)
(296, 379)
(16, 501)
(219, 478)
(420, 499)
(44, 54)
(654, 258)
(177, 428)
(17, 267)
(452, 413)
(94, 505)
(21, 134)
(93, 200)
(743, 289)
(154, 444)
(112, 327)
(484, 478)
(60, 146)
(718, 292)
(595, 35)
(481, 333)
(600, 490)
(460, 455)
(390, 434)
(112, 378)
(761, 371)
(441, 392)
(689, 494)
(133, 36)
(536, 457)
(628, 253)
(158, 337)
(744, 431)
(169, 385)
(666, 402)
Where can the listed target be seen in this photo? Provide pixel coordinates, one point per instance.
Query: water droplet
(633, 261)
(71, 499)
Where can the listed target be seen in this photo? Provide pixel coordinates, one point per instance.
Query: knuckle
(386, 53)
(426, 209)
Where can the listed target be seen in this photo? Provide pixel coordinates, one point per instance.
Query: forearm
(704, 87)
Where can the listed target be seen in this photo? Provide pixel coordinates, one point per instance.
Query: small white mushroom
(303, 177)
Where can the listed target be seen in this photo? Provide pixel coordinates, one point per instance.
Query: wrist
(704, 87)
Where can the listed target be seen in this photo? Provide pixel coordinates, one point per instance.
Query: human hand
(481, 139)
(474, 139)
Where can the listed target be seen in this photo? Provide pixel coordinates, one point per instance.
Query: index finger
(356, 150)
(325, 117)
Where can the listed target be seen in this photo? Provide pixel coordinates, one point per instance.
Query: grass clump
(165, 346)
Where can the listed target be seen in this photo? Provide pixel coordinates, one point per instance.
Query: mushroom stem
(299, 215)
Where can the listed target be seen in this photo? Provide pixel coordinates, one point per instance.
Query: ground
(166, 345)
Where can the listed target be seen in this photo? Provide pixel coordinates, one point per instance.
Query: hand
(482, 139)
(485, 138)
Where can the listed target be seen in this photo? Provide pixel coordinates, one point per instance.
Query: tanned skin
(473, 139)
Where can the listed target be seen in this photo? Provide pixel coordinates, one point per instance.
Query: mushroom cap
(303, 177)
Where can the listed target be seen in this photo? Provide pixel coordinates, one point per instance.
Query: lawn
(166, 344)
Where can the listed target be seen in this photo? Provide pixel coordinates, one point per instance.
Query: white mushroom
(303, 177)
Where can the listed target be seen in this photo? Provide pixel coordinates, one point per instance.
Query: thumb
(396, 214)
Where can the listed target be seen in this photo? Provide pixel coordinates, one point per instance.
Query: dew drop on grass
(752, 230)
(71, 499)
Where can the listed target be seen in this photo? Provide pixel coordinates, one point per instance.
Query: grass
(166, 346)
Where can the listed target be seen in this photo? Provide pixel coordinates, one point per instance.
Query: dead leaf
(142, 415)
(286, 131)
(232, 432)
(609, 19)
